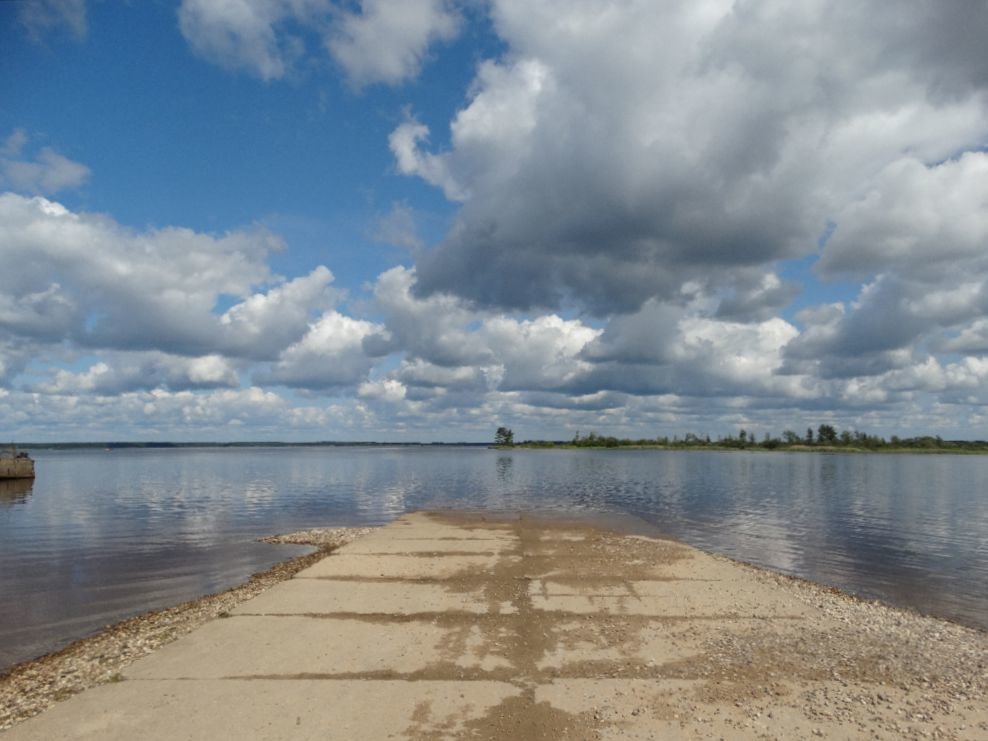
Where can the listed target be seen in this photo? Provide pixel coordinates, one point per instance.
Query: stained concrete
(440, 626)
(399, 566)
(334, 596)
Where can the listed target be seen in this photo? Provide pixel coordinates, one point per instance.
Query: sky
(419, 220)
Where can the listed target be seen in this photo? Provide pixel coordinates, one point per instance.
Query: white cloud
(387, 41)
(542, 353)
(755, 295)
(84, 279)
(500, 119)
(617, 152)
(742, 354)
(265, 323)
(329, 355)
(664, 349)
(914, 217)
(428, 380)
(118, 373)
(432, 329)
(249, 34)
(404, 142)
(973, 338)
(49, 171)
(212, 370)
(387, 389)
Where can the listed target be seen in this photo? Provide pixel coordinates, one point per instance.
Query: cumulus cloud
(448, 344)
(425, 379)
(387, 41)
(617, 152)
(829, 347)
(754, 295)
(387, 389)
(914, 218)
(48, 172)
(119, 373)
(86, 280)
(541, 353)
(973, 338)
(433, 329)
(265, 323)
(663, 349)
(44, 314)
(894, 320)
(102, 285)
(329, 355)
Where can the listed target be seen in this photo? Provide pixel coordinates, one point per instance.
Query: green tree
(504, 436)
(826, 434)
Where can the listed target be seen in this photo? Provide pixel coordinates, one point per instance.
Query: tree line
(824, 437)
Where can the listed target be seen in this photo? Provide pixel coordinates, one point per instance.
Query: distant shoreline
(754, 449)
(126, 445)
(949, 447)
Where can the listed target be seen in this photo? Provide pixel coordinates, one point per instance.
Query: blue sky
(420, 219)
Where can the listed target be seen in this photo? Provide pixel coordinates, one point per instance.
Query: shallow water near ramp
(101, 535)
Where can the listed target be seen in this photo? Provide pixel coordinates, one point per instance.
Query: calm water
(102, 535)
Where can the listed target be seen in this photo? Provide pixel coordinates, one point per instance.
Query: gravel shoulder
(31, 687)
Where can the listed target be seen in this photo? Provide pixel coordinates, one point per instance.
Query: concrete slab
(424, 531)
(660, 598)
(641, 645)
(238, 709)
(639, 710)
(329, 597)
(415, 532)
(293, 646)
(397, 566)
(437, 546)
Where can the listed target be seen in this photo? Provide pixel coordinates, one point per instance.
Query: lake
(103, 535)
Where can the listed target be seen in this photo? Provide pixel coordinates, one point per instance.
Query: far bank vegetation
(824, 438)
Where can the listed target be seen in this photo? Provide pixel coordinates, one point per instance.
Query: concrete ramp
(444, 626)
